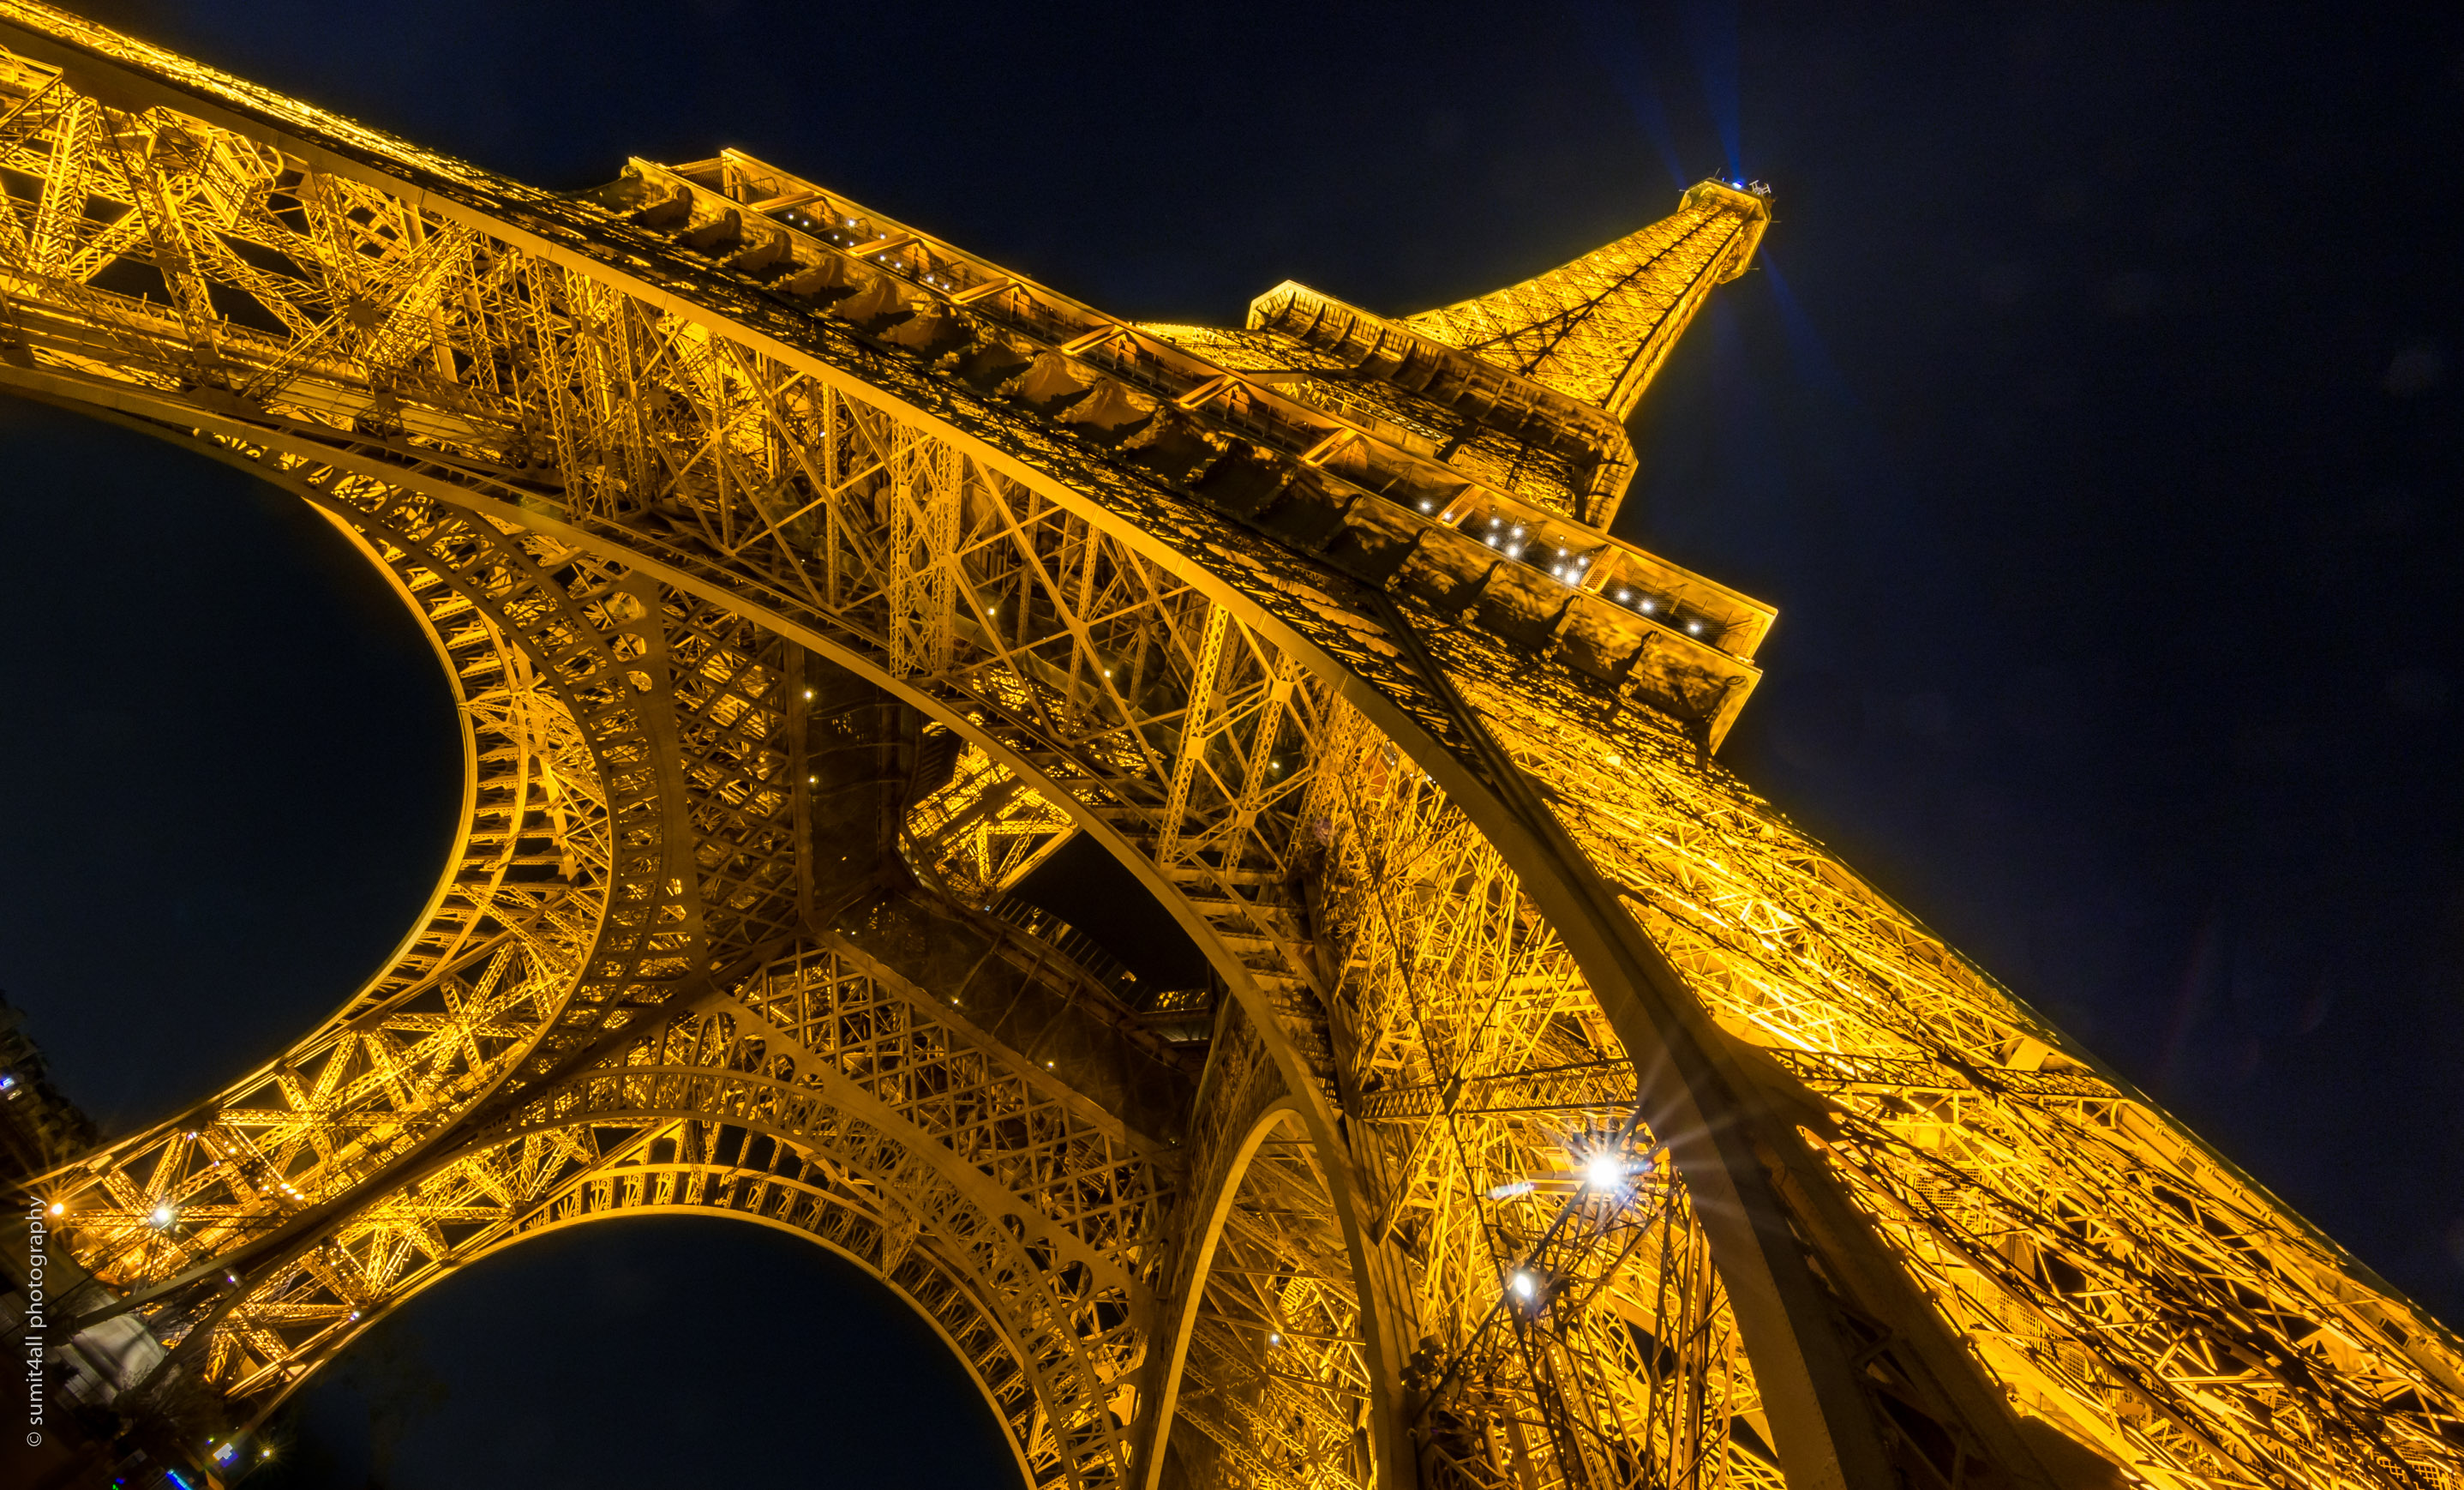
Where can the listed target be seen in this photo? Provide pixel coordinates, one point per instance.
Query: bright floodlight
(1604, 1171)
(161, 1216)
(1523, 1285)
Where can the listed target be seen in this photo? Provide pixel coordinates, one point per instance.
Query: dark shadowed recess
(647, 1351)
(1086, 886)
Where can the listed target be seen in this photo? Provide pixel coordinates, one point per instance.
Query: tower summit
(1564, 1116)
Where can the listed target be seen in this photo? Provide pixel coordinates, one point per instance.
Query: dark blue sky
(2095, 424)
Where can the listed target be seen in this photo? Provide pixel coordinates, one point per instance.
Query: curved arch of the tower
(1567, 1118)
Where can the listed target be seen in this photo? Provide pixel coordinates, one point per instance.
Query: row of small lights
(836, 232)
(1571, 569)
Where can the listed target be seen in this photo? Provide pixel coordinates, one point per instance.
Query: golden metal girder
(1574, 1120)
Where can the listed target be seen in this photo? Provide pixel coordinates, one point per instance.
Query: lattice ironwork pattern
(983, 830)
(1572, 1120)
(1597, 328)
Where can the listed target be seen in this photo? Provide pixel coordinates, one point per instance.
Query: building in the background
(38, 1126)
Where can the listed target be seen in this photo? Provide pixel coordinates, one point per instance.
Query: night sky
(2095, 419)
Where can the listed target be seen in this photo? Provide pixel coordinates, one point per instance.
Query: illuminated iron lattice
(1573, 1120)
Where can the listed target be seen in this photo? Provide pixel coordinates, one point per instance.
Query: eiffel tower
(1558, 1115)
